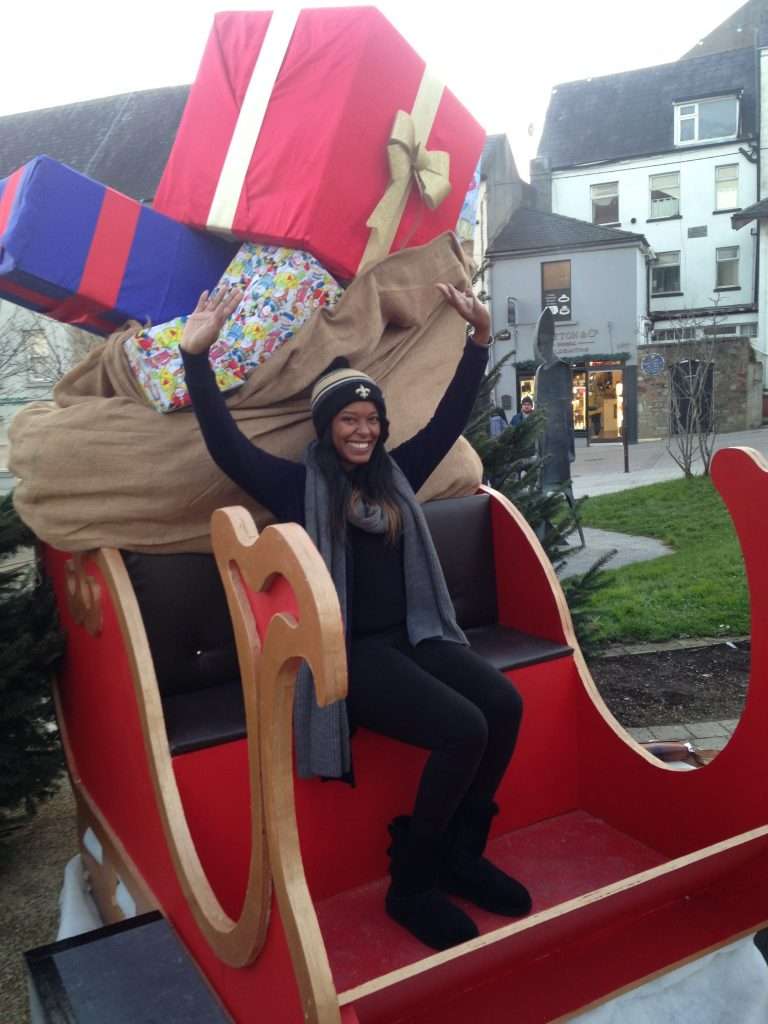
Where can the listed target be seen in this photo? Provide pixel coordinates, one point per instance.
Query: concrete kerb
(599, 467)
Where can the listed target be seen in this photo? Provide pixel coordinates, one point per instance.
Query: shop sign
(569, 343)
(652, 364)
(559, 302)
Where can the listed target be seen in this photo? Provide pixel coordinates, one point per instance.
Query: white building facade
(682, 203)
(600, 314)
(670, 152)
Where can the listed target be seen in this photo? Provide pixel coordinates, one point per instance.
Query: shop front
(599, 394)
(598, 400)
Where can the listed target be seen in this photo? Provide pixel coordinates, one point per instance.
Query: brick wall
(738, 387)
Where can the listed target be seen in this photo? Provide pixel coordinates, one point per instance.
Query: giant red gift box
(310, 173)
(85, 254)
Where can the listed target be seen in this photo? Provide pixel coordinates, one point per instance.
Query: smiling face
(354, 433)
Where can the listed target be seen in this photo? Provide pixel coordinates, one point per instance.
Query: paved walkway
(626, 550)
(599, 468)
(701, 735)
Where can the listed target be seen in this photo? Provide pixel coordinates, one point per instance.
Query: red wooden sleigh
(276, 885)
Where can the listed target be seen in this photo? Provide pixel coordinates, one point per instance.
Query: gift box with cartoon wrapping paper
(322, 131)
(87, 255)
(283, 288)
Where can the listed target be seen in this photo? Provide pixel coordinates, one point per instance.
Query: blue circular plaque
(652, 364)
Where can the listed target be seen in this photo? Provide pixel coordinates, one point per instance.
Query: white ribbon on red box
(251, 117)
(410, 161)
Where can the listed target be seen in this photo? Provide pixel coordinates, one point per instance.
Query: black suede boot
(412, 899)
(466, 873)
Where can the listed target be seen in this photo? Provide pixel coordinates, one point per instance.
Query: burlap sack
(99, 467)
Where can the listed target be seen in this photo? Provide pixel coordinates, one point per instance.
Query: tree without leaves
(36, 352)
(692, 424)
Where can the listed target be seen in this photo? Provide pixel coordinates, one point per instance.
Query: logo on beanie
(363, 391)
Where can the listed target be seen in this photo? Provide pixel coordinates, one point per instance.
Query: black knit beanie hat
(339, 386)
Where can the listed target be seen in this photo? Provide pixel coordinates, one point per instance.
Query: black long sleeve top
(279, 483)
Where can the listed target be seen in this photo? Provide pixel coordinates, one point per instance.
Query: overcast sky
(500, 58)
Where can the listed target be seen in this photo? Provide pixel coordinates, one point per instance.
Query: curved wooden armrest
(300, 619)
(314, 631)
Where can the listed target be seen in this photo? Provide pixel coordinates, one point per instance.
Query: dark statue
(553, 396)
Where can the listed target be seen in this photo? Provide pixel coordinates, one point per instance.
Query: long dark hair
(374, 482)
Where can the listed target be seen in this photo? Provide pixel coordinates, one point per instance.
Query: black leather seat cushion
(508, 649)
(204, 717)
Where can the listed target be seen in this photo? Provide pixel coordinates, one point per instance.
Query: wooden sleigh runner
(181, 761)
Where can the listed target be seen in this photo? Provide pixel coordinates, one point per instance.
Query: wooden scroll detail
(316, 635)
(115, 864)
(83, 595)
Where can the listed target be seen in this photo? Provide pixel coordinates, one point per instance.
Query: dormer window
(706, 120)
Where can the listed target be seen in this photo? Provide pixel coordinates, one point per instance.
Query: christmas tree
(512, 465)
(30, 643)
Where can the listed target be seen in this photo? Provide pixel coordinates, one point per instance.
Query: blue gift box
(87, 255)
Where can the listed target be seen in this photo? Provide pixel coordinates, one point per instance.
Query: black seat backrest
(185, 614)
(182, 602)
(461, 530)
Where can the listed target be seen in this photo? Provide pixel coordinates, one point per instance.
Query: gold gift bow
(409, 162)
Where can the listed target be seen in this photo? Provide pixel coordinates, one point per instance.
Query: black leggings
(443, 697)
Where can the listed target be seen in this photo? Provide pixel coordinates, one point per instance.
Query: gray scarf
(322, 734)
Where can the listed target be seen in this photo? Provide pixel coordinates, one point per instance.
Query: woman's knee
(470, 730)
(512, 703)
(501, 701)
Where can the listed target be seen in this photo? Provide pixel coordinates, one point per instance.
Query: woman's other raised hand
(207, 319)
(471, 308)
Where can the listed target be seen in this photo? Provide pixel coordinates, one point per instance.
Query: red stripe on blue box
(112, 240)
(8, 197)
(104, 268)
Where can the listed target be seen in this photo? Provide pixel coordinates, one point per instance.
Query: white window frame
(672, 263)
(722, 260)
(674, 334)
(721, 179)
(720, 331)
(651, 179)
(605, 195)
(684, 114)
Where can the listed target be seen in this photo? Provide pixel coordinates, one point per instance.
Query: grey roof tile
(122, 141)
(534, 229)
(631, 114)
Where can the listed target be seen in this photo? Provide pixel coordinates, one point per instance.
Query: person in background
(497, 423)
(526, 408)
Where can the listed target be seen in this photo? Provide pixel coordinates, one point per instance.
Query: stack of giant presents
(320, 167)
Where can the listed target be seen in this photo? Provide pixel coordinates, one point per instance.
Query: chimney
(541, 181)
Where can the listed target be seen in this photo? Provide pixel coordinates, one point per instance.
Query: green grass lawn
(700, 590)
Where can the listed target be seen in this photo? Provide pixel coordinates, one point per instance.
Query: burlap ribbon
(410, 162)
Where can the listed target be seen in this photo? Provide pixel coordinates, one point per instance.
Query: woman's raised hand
(207, 319)
(471, 308)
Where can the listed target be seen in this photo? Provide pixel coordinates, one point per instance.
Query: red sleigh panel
(612, 843)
